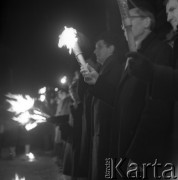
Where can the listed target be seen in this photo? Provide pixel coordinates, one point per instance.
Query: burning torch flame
(23, 118)
(42, 97)
(30, 156)
(42, 93)
(42, 90)
(63, 80)
(39, 117)
(68, 38)
(17, 177)
(25, 112)
(30, 126)
(19, 104)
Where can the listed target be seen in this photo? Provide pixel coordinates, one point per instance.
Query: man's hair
(146, 13)
(109, 38)
(145, 9)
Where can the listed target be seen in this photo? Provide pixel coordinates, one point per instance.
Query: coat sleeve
(107, 83)
(165, 83)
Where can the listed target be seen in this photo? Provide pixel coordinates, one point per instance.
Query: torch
(69, 39)
(63, 80)
(23, 108)
(123, 7)
(42, 93)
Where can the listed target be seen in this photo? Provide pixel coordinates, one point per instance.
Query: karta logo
(124, 168)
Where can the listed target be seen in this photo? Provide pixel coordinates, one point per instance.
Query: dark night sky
(29, 53)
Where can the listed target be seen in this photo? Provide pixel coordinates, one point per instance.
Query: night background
(29, 53)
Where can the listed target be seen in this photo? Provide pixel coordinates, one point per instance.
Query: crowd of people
(122, 108)
(128, 109)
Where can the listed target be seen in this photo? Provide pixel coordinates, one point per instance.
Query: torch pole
(123, 7)
(79, 55)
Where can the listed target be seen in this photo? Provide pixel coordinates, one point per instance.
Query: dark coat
(165, 87)
(72, 149)
(85, 97)
(141, 126)
(144, 123)
(110, 74)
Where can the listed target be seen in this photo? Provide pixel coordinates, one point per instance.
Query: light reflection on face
(137, 22)
(102, 51)
(172, 13)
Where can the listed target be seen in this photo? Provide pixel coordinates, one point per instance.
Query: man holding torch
(144, 123)
(109, 57)
(164, 80)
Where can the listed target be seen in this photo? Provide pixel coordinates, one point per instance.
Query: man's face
(61, 95)
(137, 22)
(172, 13)
(102, 51)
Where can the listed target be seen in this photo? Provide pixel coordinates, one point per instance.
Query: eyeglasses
(132, 17)
(137, 17)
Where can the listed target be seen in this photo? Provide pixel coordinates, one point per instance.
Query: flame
(30, 156)
(68, 38)
(39, 117)
(23, 118)
(24, 111)
(42, 90)
(63, 80)
(30, 126)
(19, 104)
(42, 97)
(56, 89)
(17, 177)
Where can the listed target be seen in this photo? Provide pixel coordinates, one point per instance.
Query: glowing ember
(17, 177)
(19, 104)
(30, 156)
(68, 38)
(63, 80)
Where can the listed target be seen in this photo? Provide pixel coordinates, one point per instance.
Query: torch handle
(80, 59)
(79, 55)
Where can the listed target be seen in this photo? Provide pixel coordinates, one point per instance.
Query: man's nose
(169, 17)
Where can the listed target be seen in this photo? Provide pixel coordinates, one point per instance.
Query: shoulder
(160, 44)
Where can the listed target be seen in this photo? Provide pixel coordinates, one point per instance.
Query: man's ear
(147, 22)
(111, 48)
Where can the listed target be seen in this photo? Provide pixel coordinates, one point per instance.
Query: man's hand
(140, 66)
(89, 74)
